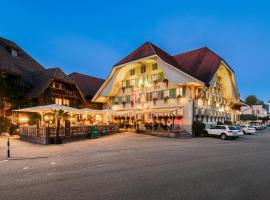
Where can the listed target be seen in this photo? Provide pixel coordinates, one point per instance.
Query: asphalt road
(131, 166)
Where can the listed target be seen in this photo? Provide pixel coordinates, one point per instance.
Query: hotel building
(152, 85)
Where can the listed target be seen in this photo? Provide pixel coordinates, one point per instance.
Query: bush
(5, 123)
(228, 123)
(220, 123)
(13, 129)
(198, 128)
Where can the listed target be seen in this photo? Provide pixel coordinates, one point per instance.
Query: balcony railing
(63, 92)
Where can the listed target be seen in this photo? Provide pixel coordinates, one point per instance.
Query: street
(134, 166)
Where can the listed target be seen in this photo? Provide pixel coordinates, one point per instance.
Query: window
(14, 53)
(58, 101)
(132, 72)
(66, 102)
(160, 95)
(154, 66)
(143, 69)
(172, 93)
(128, 84)
(119, 100)
(128, 99)
(160, 77)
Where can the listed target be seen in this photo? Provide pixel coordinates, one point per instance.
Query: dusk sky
(89, 37)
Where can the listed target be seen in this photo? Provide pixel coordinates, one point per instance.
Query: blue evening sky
(90, 36)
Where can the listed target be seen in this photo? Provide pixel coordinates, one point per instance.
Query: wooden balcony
(64, 93)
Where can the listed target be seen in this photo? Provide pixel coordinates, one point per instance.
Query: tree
(58, 114)
(251, 100)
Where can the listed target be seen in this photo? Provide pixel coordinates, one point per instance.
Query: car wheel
(244, 132)
(205, 133)
(223, 136)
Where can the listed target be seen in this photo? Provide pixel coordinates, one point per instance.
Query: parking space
(128, 165)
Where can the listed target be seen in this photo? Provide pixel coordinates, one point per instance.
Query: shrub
(220, 123)
(13, 129)
(228, 123)
(198, 128)
(5, 123)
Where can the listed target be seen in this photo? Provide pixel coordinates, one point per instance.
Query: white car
(248, 129)
(224, 131)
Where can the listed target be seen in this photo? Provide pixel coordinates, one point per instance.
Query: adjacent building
(26, 82)
(150, 84)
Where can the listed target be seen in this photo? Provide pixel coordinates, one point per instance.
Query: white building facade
(153, 86)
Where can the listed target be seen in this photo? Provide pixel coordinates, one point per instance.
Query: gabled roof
(89, 85)
(44, 79)
(145, 50)
(22, 65)
(201, 64)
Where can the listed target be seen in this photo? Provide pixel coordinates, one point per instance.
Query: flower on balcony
(166, 81)
(123, 89)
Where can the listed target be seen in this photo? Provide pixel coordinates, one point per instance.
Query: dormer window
(14, 53)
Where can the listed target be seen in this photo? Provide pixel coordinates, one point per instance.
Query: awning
(50, 108)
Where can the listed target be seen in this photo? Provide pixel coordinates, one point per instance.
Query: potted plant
(154, 100)
(166, 81)
(123, 89)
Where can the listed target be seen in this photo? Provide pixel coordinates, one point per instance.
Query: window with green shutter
(172, 93)
(136, 82)
(112, 100)
(119, 100)
(184, 91)
(160, 77)
(127, 83)
(128, 99)
(160, 95)
(154, 66)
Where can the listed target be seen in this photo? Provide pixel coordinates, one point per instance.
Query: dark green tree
(251, 100)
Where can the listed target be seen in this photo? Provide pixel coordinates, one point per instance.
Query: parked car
(248, 129)
(223, 131)
(240, 130)
(258, 126)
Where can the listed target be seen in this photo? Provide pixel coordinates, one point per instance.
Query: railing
(42, 134)
(64, 92)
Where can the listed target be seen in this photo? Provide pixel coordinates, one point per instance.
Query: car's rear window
(232, 128)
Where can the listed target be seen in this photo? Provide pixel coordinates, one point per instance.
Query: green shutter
(112, 100)
(184, 91)
(128, 84)
(128, 99)
(172, 93)
(160, 77)
(160, 95)
(154, 66)
(136, 82)
(119, 100)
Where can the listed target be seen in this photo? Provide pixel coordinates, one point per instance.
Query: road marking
(52, 163)
(3, 161)
(25, 168)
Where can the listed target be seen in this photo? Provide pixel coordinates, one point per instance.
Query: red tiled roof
(201, 64)
(147, 49)
(89, 85)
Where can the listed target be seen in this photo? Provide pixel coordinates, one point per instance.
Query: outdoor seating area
(56, 123)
